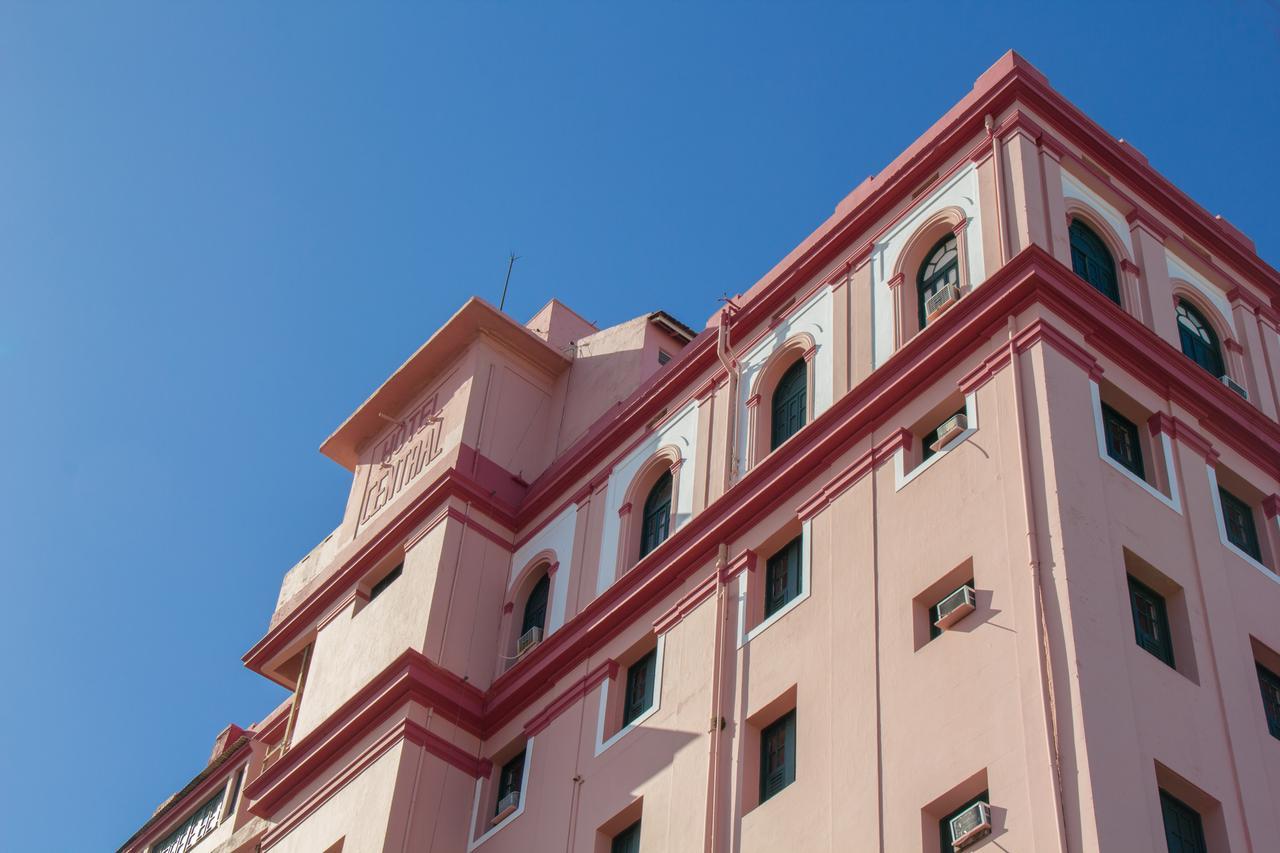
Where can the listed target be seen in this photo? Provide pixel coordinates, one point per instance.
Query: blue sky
(222, 225)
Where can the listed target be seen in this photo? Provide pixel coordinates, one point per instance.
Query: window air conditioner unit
(942, 300)
(950, 428)
(1234, 386)
(970, 825)
(507, 805)
(955, 607)
(528, 640)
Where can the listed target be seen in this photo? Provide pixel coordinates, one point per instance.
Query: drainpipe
(731, 418)
(1047, 692)
(999, 167)
(716, 720)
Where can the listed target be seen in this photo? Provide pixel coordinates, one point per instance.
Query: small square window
(777, 755)
(1269, 684)
(1183, 829)
(1124, 443)
(387, 579)
(782, 577)
(1150, 620)
(663, 358)
(1237, 518)
(640, 680)
(627, 841)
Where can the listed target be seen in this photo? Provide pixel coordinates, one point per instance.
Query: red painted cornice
(410, 677)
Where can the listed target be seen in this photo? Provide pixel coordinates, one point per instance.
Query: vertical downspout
(1045, 662)
(1001, 226)
(875, 627)
(716, 718)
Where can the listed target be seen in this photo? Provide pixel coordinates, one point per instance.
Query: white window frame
(524, 796)
(1173, 500)
(1222, 528)
(601, 743)
(806, 586)
(902, 476)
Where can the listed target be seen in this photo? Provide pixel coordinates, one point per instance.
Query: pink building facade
(959, 530)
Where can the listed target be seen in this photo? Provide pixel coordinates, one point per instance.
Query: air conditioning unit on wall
(1234, 386)
(950, 429)
(946, 296)
(528, 640)
(506, 806)
(971, 825)
(955, 607)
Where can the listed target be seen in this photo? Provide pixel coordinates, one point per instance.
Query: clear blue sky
(222, 225)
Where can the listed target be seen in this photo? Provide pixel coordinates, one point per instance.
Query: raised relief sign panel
(403, 454)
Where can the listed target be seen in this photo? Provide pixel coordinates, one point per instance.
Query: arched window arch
(1199, 340)
(790, 404)
(1092, 260)
(655, 523)
(940, 270)
(535, 607)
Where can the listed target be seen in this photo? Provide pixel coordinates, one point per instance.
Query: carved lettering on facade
(403, 454)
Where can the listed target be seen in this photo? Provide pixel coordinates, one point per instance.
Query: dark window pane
(782, 577)
(1199, 340)
(640, 681)
(1183, 832)
(387, 580)
(790, 404)
(1150, 621)
(778, 756)
(535, 607)
(940, 269)
(627, 841)
(510, 778)
(1123, 442)
(1237, 517)
(1269, 683)
(656, 522)
(1092, 261)
(944, 825)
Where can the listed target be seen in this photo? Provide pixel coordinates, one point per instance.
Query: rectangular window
(1269, 683)
(1123, 442)
(387, 579)
(778, 755)
(944, 825)
(627, 841)
(510, 778)
(1237, 518)
(188, 835)
(1183, 831)
(1150, 620)
(782, 577)
(640, 679)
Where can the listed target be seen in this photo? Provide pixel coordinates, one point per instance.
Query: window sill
(782, 611)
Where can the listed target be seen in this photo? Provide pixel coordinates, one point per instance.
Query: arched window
(940, 270)
(790, 406)
(1092, 261)
(535, 607)
(1199, 341)
(656, 522)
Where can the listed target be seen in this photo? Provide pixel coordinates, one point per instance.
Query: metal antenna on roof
(511, 262)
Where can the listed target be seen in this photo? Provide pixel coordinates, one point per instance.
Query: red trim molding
(566, 700)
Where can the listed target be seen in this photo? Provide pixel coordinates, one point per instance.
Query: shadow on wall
(645, 753)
